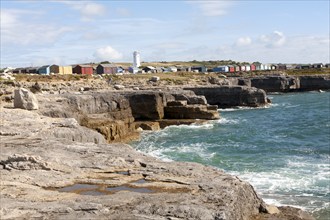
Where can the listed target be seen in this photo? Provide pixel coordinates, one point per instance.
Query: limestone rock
(25, 99)
(190, 112)
(36, 88)
(24, 162)
(119, 87)
(189, 96)
(148, 125)
(276, 83)
(177, 103)
(154, 78)
(146, 105)
(231, 96)
(271, 209)
(309, 83)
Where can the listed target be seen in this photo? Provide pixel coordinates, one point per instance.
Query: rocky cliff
(285, 83)
(230, 96)
(48, 175)
(117, 115)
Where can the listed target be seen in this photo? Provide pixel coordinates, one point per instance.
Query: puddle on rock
(96, 190)
(123, 173)
(131, 189)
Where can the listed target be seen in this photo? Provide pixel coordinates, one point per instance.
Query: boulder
(155, 79)
(25, 99)
(189, 96)
(119, 87)
(36, 88)
(6, 76)
(148, 125)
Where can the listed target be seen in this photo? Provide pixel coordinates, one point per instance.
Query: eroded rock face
(25, 99)
(113, 114)
(231, 96)
(276, 83)
(146, 105)
(309, 83)
(108, 113)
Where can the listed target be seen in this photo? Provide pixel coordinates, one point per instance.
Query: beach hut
(19, 70)
(54, 69)
(172, 69)
(183, 69)
(237, 68)
(317, 65)
(303, 66)
(266, 66)
(65, 70)
(247, 68)
(200, 69)
(221, 69)
(149, 69)
(83, 69)
(44, 70)
(258, 66)
(60, 69)
(231, 68)
(106, 69)
(253, 67)
(133, 70)
(273, 67)
(281, 66)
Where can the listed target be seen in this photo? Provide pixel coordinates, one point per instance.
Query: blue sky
(68, 32)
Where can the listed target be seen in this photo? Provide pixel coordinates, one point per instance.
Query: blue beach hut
(44, 70)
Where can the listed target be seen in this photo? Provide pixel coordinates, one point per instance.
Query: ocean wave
(175, 152)
(240, 108)
(289, 186)
(227, 121)
(207, 125)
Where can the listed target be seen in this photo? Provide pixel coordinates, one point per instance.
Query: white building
(136, 59)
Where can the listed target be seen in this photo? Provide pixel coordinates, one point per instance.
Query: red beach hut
(83, 69)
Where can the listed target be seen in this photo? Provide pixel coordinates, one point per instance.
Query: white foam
(240, 108)
(191, 126)
(227, 121)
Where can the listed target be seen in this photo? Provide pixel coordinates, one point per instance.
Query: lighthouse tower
(136, 59)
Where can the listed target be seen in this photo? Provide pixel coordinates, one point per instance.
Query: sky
(42, 32)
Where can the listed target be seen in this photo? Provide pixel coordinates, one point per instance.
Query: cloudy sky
(40, 32)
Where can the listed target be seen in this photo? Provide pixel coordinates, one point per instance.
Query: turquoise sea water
(283, 150)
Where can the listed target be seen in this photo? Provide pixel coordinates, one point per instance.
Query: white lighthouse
(136, 59)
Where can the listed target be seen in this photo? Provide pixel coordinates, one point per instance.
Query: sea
(282, 150)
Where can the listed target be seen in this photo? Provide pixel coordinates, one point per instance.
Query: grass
(296, 72)
(50, 78)
(176, 78)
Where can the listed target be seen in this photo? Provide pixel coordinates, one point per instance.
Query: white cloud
(24, 28)
(107, 53)
(243, 41)
(87, 10)
(275, 39)
(213, 8)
